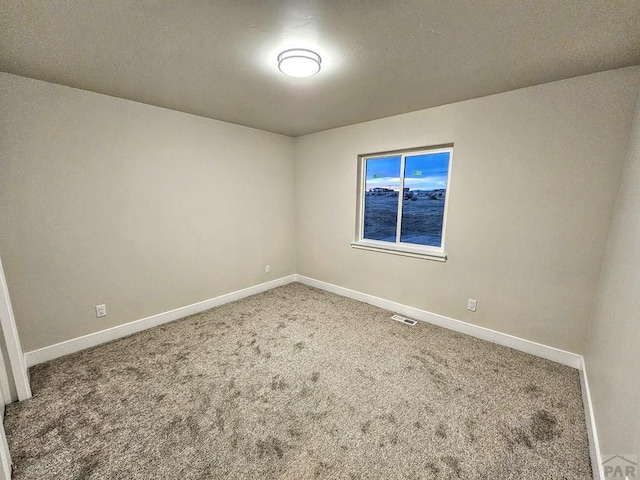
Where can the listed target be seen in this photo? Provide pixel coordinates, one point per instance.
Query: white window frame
(398, 247)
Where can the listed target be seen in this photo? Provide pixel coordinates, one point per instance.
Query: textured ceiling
(217, 58)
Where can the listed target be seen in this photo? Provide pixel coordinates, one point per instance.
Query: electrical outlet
(471, 304)
(101, 310)
(267, 269)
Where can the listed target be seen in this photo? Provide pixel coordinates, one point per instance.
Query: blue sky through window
(426, 171)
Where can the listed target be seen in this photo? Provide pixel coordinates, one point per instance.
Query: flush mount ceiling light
(299, 62)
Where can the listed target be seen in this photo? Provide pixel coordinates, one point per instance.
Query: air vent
(405, 320)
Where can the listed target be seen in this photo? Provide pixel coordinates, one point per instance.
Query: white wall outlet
(101, 310)
(471, 304)
(267, 269)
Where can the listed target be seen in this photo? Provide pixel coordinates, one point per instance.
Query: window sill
(403, 251)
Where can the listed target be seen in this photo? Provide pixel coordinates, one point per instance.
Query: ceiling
(217, 58)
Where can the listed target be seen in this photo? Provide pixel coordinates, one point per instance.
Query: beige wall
(613, 343)
(104, 200)
(534, 179)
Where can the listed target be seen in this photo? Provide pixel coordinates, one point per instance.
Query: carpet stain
(278, 384)
(305, 392)
(88, 464)
(315, 376)
(364, 375)
(454, 464)
(425, 363)
(365, 427)
(322, 470)
(51, 427)
(533, 390)
(514, 437)
(441, 431)
(219, 420)
(522, 438)
(271, 446)
(471, 427)
(432, 469)
(544, 426)
(192, 425)
(436, 358)
(429, 365)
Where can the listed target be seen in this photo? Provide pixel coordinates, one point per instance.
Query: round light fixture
(299, 62)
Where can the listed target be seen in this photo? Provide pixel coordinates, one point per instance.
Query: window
(402, 202)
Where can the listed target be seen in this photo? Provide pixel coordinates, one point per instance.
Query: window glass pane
(382, 183)
(425, 190)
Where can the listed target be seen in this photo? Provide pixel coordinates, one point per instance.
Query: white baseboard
(74, 345)
(5, 454)
(594, 445)
(550, 353)
(91, 340)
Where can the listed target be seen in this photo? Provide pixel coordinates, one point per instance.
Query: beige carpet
(297, 383)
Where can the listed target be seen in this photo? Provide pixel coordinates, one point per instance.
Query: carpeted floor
(298, 383)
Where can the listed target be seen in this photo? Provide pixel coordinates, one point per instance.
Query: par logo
(620, 467)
